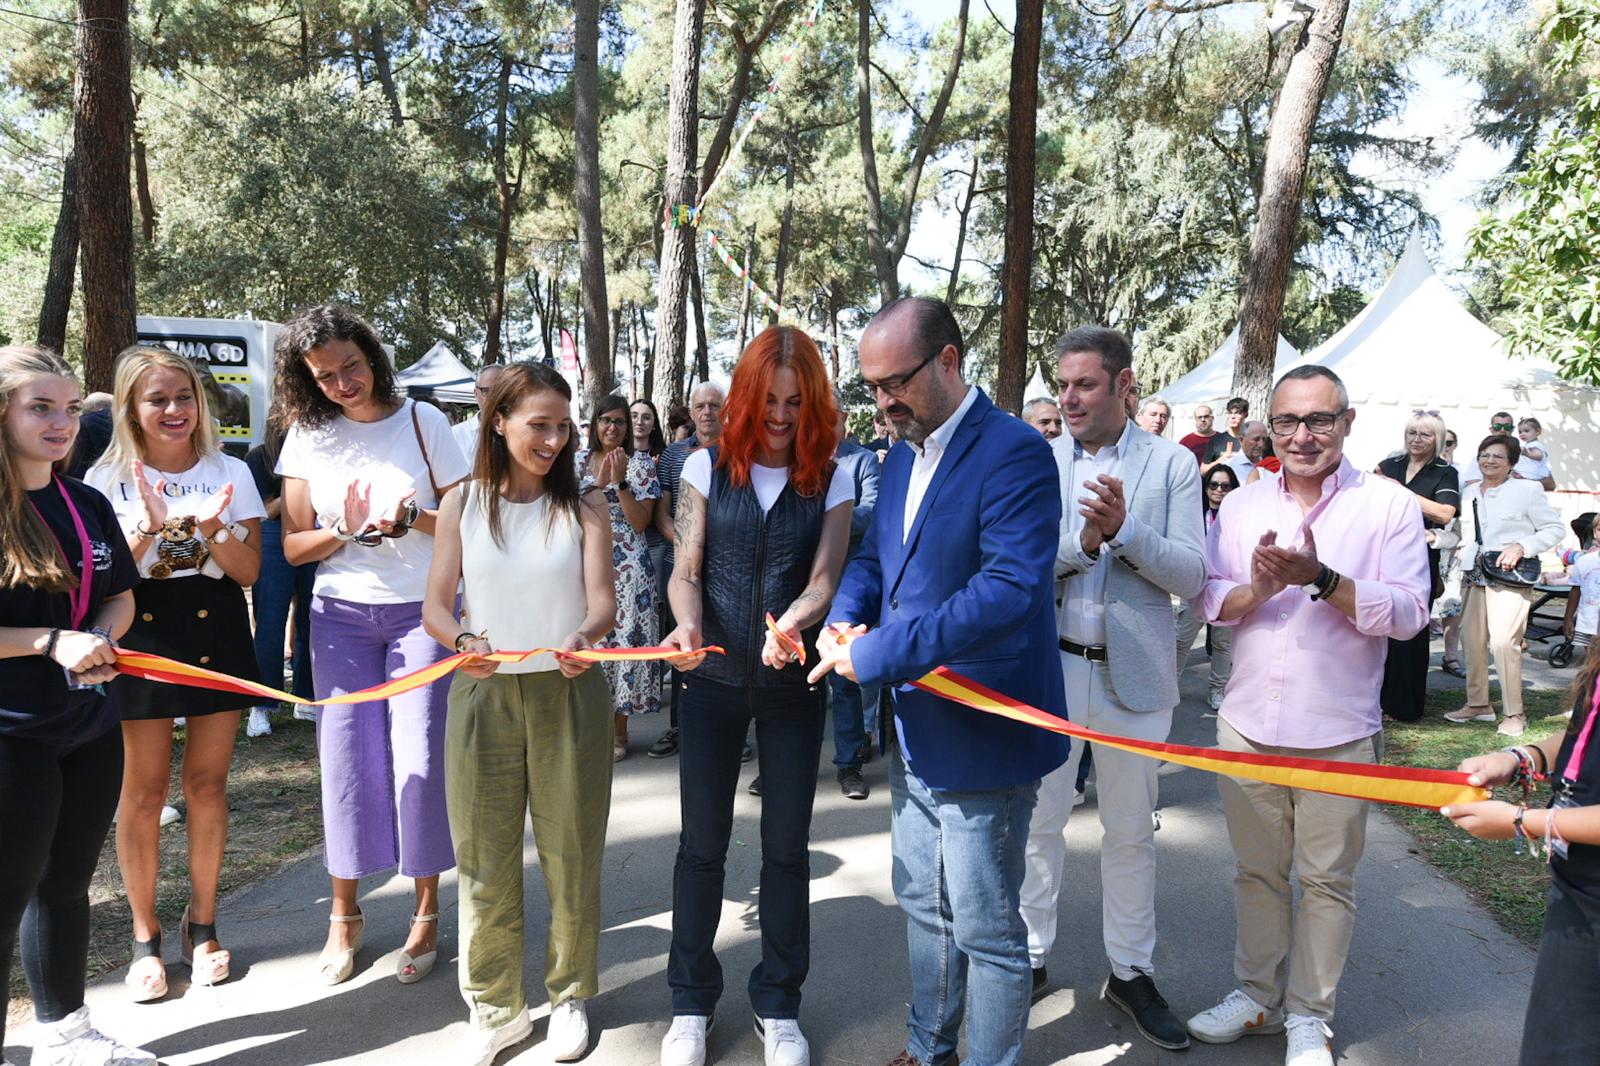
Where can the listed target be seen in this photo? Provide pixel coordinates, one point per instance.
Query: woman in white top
(1505, 521)
(363, 470)
(192, 518)
(532, 735)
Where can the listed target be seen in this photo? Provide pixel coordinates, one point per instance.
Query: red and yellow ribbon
(158, 668)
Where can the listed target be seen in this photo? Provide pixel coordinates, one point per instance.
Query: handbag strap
(416, 427)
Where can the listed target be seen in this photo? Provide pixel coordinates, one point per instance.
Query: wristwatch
(222, 536)
(339, 532)
(1314, 587)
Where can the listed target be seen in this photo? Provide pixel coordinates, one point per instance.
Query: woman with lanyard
(628, 480)
(1562, 1023)
(1219, 481)
(66, 593)
(363, 470)
(768, 503)
(1506, 523)
(192, 519)
(1421, 467)
(530, 736)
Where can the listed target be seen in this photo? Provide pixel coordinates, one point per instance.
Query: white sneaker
(1078, 797)
(1310, 1042)
(1236, 1016)
(685, 1042)
(304, 713)
(260, 724)
(169, 814)
(484, 1044)
(71, 1042)
(1214, 700)
(568, 1037)
(783, 1042)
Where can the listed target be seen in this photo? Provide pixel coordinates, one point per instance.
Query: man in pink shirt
(1317, 568)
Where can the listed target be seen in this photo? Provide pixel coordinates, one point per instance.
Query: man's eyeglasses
(895, 386)
(1449, 442)
(1502, 427)
(1318, 422)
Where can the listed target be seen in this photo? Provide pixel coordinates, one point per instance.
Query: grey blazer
(1163, 557)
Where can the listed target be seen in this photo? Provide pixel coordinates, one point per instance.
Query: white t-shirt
(186, 493)
(1531, 468)
(384, 453)
(768, 481)
(466, 435)
(1585, 574)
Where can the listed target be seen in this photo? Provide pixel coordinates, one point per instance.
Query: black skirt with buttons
(198, 620)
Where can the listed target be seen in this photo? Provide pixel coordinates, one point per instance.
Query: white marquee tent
(1212, 381)
(438, 374)
(1414, 347)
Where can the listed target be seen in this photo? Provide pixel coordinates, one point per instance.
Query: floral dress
(635, 687)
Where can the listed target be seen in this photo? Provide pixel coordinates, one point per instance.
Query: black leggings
(56, 805)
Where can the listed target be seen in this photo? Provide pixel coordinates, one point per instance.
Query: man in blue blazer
(957, 571)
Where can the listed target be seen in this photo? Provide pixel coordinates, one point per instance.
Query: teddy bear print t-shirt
(187, 492)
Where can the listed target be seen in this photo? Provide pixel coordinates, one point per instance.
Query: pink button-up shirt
(1304, 674)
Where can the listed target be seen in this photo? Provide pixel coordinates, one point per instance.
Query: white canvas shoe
(782, 1042)
(568, 1038)
(1310, 1042)
(685, 1042)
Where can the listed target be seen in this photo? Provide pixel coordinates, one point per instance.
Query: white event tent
(440, 375)
(1211, 383)
(1414, 347)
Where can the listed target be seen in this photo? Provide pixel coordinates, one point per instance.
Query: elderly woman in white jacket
(1505, 522)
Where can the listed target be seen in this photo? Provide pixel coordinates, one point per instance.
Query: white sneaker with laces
(568, 1037)
(783, 1042)
(260, 724)
(1214, 700)
(685, 1042)
(304, 713)
(72, 1042)
(484, 1044)
(1310, 1042)
(1236, 1016)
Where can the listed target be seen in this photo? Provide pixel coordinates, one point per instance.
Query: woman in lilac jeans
(363, 471)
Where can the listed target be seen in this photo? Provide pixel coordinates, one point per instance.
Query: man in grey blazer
(1131, 539)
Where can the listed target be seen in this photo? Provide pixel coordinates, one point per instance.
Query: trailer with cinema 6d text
(234, 358)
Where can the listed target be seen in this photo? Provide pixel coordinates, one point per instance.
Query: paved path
(1431, 978)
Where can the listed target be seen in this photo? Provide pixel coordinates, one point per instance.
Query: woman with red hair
(768, 504)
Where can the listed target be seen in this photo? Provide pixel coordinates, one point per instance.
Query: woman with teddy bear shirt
(192, 519)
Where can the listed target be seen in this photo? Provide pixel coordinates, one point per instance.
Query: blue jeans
(278, 585)
(714, 719)
(852, 720)
(958, 866)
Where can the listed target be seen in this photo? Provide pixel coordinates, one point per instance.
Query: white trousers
(1126, 791)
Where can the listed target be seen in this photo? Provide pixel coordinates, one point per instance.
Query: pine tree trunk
(1289, 136)
(379, 44)
(1016, 284)
(681, 188)
(102, 129)
(648, 346)
(506, 200)
(697, 302)
(141, 184)
(586, 167)
(963, 215)
(57, 302)
(781, 267)
(744, 290)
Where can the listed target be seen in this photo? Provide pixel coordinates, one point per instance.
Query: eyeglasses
(1318, 422)
(1492, 457)
(1503, 427)
(1220, 486)
(1419, 412)
(1419, 434)
(1449, 442)
(614, 423)
(895, 386)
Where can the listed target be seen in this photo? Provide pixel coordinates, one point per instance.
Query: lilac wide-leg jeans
(383, 800)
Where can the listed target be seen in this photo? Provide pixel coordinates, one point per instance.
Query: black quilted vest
(754, 564)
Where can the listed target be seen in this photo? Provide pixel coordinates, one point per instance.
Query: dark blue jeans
(278, 586)
(1563, 1022)
(855, 713)
(713, 720)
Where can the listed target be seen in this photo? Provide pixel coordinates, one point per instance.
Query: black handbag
(1525, 575)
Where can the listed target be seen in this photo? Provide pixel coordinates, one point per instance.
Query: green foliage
(1543, 242)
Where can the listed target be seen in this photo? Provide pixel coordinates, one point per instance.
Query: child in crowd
(1583, 572)
(1534, 463)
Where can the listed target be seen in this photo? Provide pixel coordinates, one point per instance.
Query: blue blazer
(971, 588)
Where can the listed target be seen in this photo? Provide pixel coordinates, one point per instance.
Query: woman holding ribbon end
(363, 470)
(770, 506)
(192, 518)
(1563, 1018)
(66, 593)
(533, 735)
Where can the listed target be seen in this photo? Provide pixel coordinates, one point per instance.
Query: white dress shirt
(466, 435)
(1083, 601)
(926, 458)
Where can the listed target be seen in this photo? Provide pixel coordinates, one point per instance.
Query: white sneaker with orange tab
(1310, 1042)
(1236, 1016)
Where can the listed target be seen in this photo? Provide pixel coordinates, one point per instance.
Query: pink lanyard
(80, 595)
(1575, 760)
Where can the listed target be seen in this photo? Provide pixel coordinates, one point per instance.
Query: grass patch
(274, 804)
(1512, 887)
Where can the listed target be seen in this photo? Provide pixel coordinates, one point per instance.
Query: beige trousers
(1281, 957)
(1493, 618)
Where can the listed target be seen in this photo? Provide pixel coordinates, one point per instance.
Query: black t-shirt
(35, 702)
(1218, 445)
(1579, 872)
(261, 465)
(1437, 481)
(94, 437)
